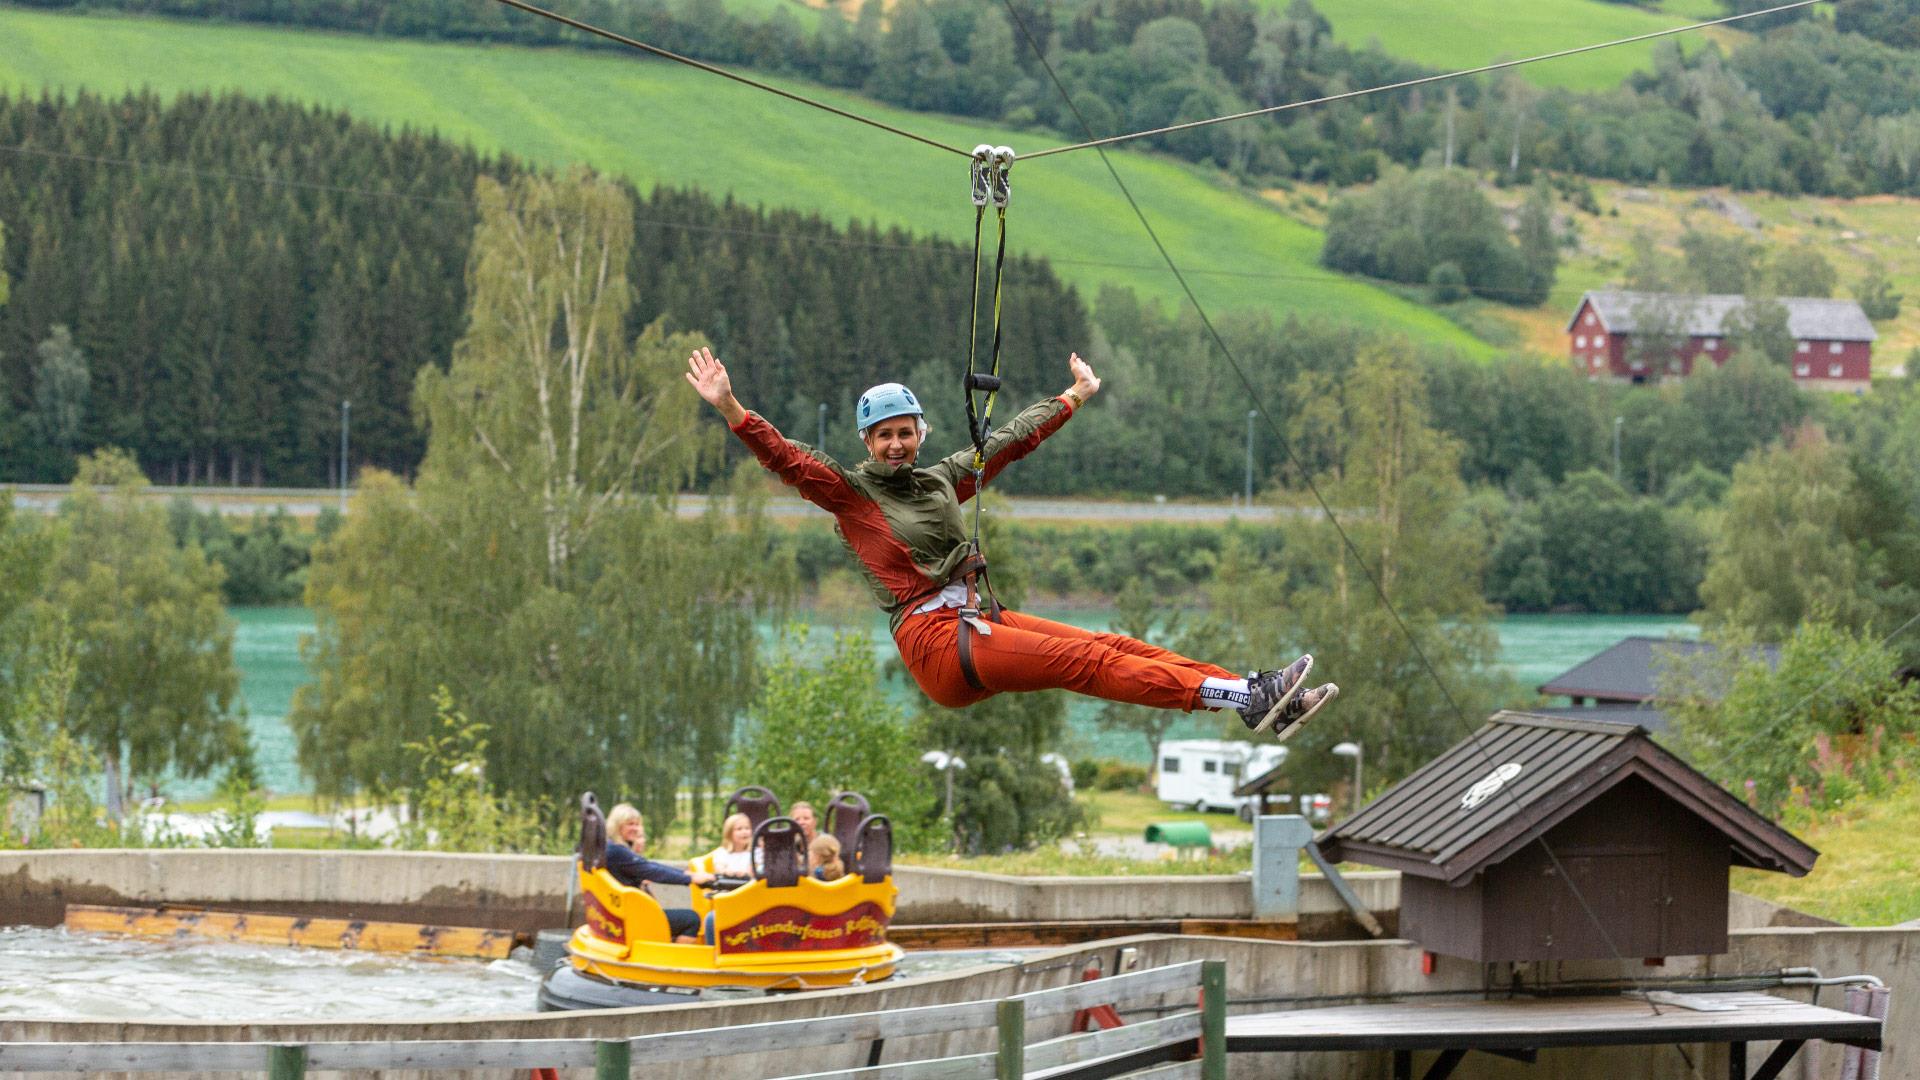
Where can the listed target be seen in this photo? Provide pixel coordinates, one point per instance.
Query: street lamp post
(946, 763)
(1352, 750)
(346, 411)
(1617, 421)
(1251, 413)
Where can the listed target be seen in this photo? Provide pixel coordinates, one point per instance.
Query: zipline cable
(1287, 450)
(1421, 81)
(666, 54)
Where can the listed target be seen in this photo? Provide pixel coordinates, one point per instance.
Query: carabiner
(1002, 182)
(981, 168)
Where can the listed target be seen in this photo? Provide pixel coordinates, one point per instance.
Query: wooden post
(286, 1062)
(1213, 1020)
(1011, 1061)
(613, 1059)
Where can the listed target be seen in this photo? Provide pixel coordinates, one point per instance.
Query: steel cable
(1280, 438)
(667, 54)
(1407, 83)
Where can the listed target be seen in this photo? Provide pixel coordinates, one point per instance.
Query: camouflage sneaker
(1269, 693)
(1294, 715)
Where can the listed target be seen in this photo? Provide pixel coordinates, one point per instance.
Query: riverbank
(1533, 648)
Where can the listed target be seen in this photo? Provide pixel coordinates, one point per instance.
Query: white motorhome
(1200, 774)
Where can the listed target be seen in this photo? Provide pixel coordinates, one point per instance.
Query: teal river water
(267, 648)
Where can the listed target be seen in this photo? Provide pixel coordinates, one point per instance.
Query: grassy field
(1868, 873)
(1850, 233)
(659, 123)
(1469, 33)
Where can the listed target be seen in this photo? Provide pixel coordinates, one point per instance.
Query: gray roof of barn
(1428, 826)
(1628, 670)
(1642, 714)
(1808, 318)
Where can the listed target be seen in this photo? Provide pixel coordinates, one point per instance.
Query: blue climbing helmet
(884, 402)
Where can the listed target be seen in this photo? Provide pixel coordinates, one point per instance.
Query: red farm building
(1833, 339)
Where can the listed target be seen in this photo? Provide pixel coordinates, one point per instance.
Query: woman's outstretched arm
(1018, 437)
(814, 475)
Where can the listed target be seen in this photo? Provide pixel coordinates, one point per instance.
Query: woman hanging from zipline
(904, 526)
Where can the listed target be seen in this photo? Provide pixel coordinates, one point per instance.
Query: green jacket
(902, 523)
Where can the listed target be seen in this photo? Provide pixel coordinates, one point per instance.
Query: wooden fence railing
(1185, 1045)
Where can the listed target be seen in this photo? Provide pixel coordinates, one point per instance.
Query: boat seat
(780, 848)
(593, 833)
(873, 855)
(756, 802)
(844, 815)
(635, 915)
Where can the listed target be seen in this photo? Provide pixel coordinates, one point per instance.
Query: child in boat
(824, 853)
(732, 859)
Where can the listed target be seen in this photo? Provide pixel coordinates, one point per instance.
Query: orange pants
(1029, 653)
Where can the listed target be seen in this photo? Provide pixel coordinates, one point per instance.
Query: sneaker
(1294, 715)
(1269, 693)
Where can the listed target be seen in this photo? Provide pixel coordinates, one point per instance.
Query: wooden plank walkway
(1536, 1024)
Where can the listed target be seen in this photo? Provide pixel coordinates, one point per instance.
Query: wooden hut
(1483, 835)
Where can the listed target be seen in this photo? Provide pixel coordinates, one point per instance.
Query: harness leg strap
(965, 630)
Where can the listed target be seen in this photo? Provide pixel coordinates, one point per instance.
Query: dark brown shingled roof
(1428, 826)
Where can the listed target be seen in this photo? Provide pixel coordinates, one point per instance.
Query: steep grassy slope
(1469, 33)
(660, 123)
(1869, 868)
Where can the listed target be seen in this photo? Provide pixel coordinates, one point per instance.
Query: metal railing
(1189, 1044)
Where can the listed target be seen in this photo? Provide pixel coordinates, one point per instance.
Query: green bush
(1449, 284)
(1119, 776)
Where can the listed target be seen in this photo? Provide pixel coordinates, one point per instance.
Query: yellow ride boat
(783, 930)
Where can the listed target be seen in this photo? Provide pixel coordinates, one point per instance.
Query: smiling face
(894, 441)
(740, 835)
(633, 833)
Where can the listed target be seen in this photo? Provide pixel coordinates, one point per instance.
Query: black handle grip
(977, 381)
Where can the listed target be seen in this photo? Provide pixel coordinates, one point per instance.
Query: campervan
(1201, 773)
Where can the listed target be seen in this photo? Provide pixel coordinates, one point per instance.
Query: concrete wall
(1262, 976)
(528, 892)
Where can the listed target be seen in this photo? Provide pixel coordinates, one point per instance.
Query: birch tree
(1394, 481)
(557, 405)
(537, 568)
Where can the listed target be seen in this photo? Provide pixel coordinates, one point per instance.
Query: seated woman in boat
(803, 815)
(628, 867)
(824, 854)
(732, 859)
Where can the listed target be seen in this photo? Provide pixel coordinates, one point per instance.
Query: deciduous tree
(1397, 484)
(538, 568)
(155, 678)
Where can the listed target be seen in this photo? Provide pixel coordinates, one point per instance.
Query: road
(308, 502)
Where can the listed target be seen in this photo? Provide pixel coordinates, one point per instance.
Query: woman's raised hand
(1085, 382)
(709, 377)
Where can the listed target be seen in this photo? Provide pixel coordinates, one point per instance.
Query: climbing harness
(988, 172)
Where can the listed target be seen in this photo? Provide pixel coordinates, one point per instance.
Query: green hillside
(1469, 33)
(660, 123)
